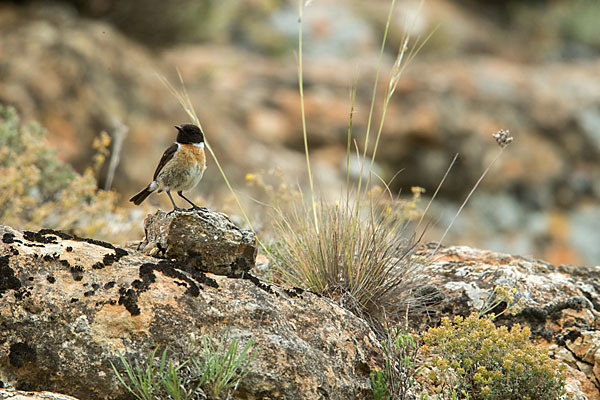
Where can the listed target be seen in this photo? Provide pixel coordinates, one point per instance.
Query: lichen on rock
(205, 240)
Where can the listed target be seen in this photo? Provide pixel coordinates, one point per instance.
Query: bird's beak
(178, 127)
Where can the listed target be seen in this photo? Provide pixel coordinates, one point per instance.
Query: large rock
(69, 305)
(557, 302)
(202, 239)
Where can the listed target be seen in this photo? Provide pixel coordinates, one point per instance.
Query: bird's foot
(176, 209)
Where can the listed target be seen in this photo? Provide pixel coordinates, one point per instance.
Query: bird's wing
(166, 157)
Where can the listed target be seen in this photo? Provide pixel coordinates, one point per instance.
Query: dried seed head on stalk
(503, 137)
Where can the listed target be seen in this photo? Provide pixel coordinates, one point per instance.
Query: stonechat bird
(180, 168)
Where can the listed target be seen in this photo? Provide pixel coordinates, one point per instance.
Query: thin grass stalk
(303, 113)
(374, 96)
(399, 67)
(355, 230)
(186, 103)
(349, 140)
(359, 266)
(118, 137)
(351, 245)
(436, 191)
(464, 203)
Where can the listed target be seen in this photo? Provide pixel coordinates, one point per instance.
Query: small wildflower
(101, 142)
(417, 189)
(503, 137)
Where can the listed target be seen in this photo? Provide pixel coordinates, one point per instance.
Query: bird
(180, 168)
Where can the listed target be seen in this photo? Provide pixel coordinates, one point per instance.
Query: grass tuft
(209, 371)
(356, 250)
(359, 257)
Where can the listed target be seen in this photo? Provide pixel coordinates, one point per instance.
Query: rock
(69, 305)
(20, 395)
(585, 346)
(202, 239)
(559, 303)
(578, 387)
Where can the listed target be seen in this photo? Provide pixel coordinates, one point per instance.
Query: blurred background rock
(533, 67)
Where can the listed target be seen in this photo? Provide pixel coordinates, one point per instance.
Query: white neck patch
(199, 145)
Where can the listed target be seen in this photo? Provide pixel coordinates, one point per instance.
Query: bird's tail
(141, 196)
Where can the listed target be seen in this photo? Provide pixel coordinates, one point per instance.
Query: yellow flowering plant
(477, 360)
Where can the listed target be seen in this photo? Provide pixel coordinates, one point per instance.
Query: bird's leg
(194, 207)
(175, 208)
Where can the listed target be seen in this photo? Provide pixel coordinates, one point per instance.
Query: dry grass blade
(374, 95)
(349, 139)
(303, 113)
(437, 190)
(399, 67)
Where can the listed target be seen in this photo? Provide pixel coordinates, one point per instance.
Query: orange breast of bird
(191, 156)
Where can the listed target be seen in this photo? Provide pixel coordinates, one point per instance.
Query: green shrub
(479, 361)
